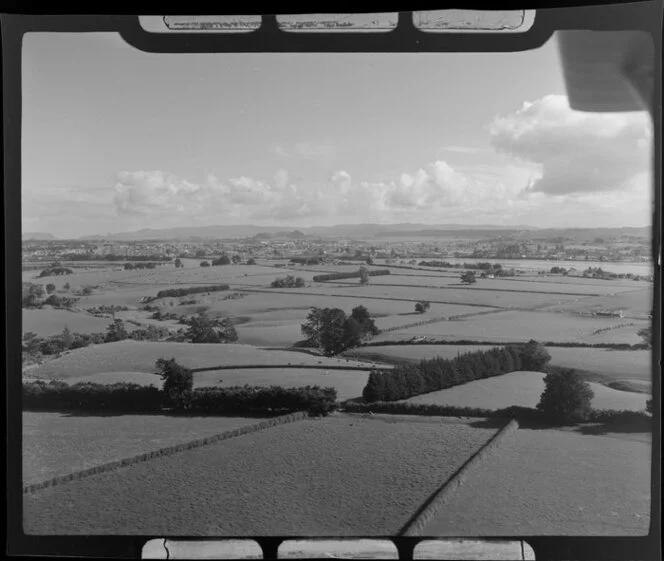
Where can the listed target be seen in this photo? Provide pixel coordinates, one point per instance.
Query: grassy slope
(554, 483)
(139, 356)
(58, 443)
(343, 475)
(523, 389)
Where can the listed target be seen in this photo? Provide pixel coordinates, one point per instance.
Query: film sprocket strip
(268, 38)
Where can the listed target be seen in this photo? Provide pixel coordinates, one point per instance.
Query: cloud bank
(578, 152)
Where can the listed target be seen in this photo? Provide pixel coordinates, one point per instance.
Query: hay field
(341, 475)
(523, 389)
(555, 483)
(140, 356)
(56, 444)
(509, 326)
(45, 322)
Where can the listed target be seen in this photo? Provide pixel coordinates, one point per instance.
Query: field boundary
(455, 287)
(285, 366)
(162, 452)
(246, 288)
(434, 503)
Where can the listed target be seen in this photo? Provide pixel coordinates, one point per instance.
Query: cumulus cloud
(576, 151)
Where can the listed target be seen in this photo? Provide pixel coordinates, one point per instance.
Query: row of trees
(289, 281)
(435, 374)
(141, 265)
(362, 272)
(178, 292)
(330, 330)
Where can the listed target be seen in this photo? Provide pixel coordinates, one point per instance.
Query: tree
(311, 328)
(370, 260)
(202, 329)
(468, 277)
(200, 253)
(178, 382)
(236, 259)
(66, 286)
(205, 264)
(116, 331)
(332, 331)
(422, 306)
(50, 287)
(352, 333)
(86, 290)
(566, 397)
(251, 261)
(646, 336)
(364, 276)
(223, 260)
(67, 339)
(534, 356)
(32, 294)
(178, 263)
(362, 316)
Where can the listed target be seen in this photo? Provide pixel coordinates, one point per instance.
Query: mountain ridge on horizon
(337, 230)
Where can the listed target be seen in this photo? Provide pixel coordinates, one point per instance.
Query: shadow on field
(637, 426)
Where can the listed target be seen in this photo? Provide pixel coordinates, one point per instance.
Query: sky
(115, 139)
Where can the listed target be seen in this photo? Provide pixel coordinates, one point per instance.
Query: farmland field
(453, 295)
(532, 285)
(47, 322)
(523, 389)
(633, 304)
(554, 483)
(56, 444)
(140, 356)
(364, 476)
(509, 326)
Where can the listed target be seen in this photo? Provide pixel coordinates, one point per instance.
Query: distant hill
(37, 236)
(367, 231)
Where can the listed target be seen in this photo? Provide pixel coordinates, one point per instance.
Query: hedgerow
(354, 275)
(404, 381)
(88, 396)
(177, 292)
(123, 397)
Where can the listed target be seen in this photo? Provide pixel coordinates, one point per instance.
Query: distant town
(569, 245)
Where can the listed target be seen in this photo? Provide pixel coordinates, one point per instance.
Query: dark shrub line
(355, 275)
(162, 452)
(122, 397)
(177, 292)
(435, 374)
(415, 526)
